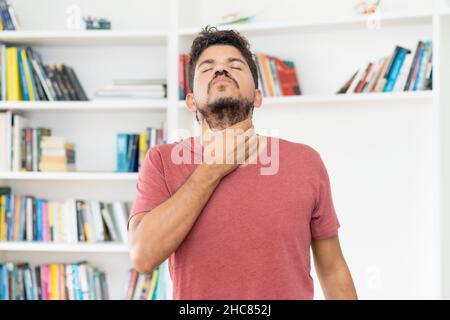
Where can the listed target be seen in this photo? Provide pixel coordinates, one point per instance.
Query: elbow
(141, 260)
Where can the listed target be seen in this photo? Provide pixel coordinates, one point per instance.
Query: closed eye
(237, 68)
(206, 70)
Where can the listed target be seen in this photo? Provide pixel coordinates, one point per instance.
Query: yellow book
(2, 218)
(87, 231)
(142, 147)
(27, 71)
(13, 88)
(1, 25)
(153, 284)
(54, 281)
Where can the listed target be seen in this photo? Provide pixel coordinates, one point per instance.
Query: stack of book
(183, 75)
(142, 286)
(28, 218)
(277, 77)
(8, 19)
(132, 148)
(401, 71)
(76, 281)
(25, 77)
(56, 155)
(133, 89)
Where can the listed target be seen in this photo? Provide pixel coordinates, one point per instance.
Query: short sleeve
(324, 221)
(151, 187)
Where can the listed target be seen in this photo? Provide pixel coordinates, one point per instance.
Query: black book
(81, 94)
(68, 83)
(51, 72)
(413, 64)
(61, 84)
(43, 76)
(80, 221)
(37, 274)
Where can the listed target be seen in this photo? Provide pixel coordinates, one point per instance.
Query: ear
(258, 98)
(190, 102)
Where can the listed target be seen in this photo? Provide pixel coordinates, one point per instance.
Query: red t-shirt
(252, 239)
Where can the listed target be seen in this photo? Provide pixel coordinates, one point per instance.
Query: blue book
(395, 70)
(420, 77)
(122, 151)
(133, 154)
(23, 78)
(23, 205)
(9, 206)
(6, 18)
(276, 80)
(32, 77)
(39, 219)
(3, 282)
(76, 282)
(130, 153)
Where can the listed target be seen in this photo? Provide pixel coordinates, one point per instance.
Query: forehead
(220, 52)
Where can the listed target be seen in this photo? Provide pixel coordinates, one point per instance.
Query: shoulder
(296, 149)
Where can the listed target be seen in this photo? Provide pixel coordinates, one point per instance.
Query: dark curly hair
(210, 36)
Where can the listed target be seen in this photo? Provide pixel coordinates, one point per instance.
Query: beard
(225, 112)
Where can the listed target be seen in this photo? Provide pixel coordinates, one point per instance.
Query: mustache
(222, 74)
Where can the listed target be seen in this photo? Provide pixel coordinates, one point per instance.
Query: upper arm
(151, 187)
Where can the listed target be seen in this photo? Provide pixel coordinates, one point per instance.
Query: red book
(287, 76)
(181, 76)
(186, 73)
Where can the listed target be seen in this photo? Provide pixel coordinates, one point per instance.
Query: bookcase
(387, 154)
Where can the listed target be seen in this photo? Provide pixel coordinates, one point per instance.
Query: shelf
(94, 105)
(445, 12)
(89, 37)
(69, 176)
(416, 96)
(263, 29)
(64, 247)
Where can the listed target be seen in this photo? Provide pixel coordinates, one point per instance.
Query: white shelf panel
(63, 247)
(263, 29)
(426, 96)
(94, 105)
(69, 176)
(88, 37)
(445, 12)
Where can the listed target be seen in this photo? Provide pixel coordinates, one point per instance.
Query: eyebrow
(211, 61)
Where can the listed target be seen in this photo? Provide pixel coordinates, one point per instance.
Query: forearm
(160, 232)
(338, 284)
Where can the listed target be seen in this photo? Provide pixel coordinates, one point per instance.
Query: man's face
(224, 90)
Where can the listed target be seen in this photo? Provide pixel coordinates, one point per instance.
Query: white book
(138, 287)
(97, 219)
(29, 219)
(19, 123)
(70, 211)
(109, 223)
(403, 75)
(3, 141)
(53, 152)
(121, 215)
(69, 282)
(83, 281)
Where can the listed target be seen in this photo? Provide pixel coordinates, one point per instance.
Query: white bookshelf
(80, 106)
(85, 38)
(386, 154)
(69, 176)
(63, 247)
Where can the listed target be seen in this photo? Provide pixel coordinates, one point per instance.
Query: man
(231, 231)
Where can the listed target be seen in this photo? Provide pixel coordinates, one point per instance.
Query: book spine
(413, 66)
(395, 70)
(23, 79)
